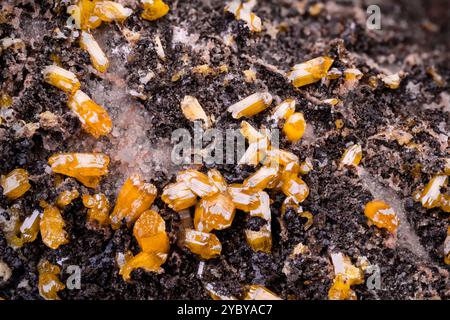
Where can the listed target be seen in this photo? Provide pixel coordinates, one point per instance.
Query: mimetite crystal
(88, 168)
(382, 215)
(94, 118)
(134, 198)
(98, 208)
(214, 213)
(150, 232)
(154, 9)
(310, 71)
(49, 284)
(15, 184)
(205, 244)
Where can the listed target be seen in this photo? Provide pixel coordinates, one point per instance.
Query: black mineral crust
(413, 38)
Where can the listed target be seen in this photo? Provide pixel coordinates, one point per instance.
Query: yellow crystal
(242, 199)
(250, 133)
(259, 180)
(198, 182)
(382, 215)
(154, 9)
(61, 78)
(391, 81)
(94, 118)
(66, 197)
(352, 74)
(219, 181)
(251, 105)
(215, 212)
(205, 244)
(310, 71)
(98, 208)
(15, 183)
(295, 187)
(52, 228)
(178, 196)
(257, 292)
(134, 198)
(26, 232)
(284, 110)
(261, 240)
(332, 101)
(96, 54)
(49, 284)
(110, 11)
(352, 155)
(150, 233)
(150, 262)
(82, 13)
(346, 275)
(295, 126)
(280, 157)
(258, 144)
(5, 100)
(431, 195)
(242, 11)
(88, 168)
(192, 110)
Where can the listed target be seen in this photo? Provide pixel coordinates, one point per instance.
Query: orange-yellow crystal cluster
(198, 182)
(89, 15)
(154, 9)
(94, 118)
(49, 284)
(150, 233)
(98, 58)
(134, 198)
(213, 211)
(279, 172)
(346, 275)
(88, 168)
(15, 184)
(382, 215)
(98, 208)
